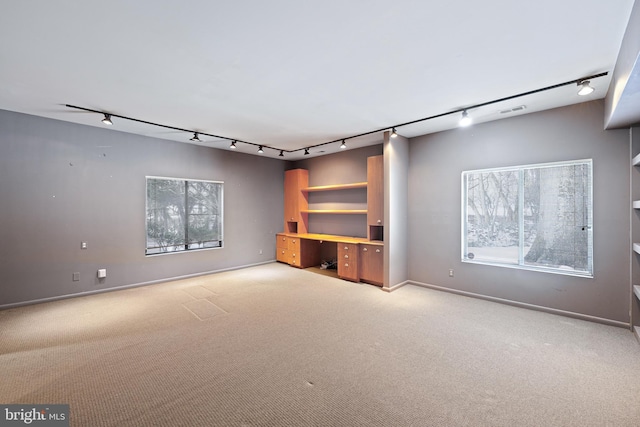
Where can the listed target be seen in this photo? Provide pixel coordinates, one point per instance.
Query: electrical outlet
(83, 245)
(260, 252)
(76, 276)
(451, 272)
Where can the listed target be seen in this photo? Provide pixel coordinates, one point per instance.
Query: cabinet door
(375, 190)
(348, 261)
(294, 199)
(371, 264)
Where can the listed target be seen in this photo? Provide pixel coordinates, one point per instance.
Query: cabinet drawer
(293, 250)
(348, 261)
(293, 244)
(281, 241)
(282, 255)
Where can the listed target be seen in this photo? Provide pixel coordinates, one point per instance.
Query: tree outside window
(535, 217)
(183, 215)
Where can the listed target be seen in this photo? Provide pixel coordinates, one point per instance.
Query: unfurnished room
(336, 213)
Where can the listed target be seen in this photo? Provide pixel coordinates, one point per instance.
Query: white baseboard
(525, 305)
(395, 287)
(135, 285)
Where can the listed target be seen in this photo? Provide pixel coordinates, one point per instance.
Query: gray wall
(574, 132)
(396, 165)
(62, 183)
(345, 167)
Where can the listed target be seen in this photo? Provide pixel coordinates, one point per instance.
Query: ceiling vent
(514, 109)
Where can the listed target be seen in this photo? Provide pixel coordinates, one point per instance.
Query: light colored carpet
(277, 346)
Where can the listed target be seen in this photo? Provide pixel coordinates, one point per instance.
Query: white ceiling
(290, 74)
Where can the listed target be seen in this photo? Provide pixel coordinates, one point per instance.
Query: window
(183, 215)
(536, 217)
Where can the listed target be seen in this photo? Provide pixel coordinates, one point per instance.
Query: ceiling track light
(233, 145)
(343, 145)
(583, 83)
(465, 120)
(195, 137)
(585, 89)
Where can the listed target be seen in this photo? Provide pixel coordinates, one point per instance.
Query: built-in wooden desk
(358, 258)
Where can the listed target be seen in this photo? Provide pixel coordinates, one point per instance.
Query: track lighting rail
(581, 81)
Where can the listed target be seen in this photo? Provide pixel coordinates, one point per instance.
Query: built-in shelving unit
(335, 211)
(358, 259)
(636, 292)
(335, 187)
(635, 236)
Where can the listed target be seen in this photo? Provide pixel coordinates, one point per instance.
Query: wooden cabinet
(297, 252)
(295, 258)
(348, 262)
(282, 248)
(375, 197)
(358, 258)
(295, 200)
(371, 264)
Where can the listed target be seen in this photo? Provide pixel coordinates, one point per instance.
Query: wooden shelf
(335, 187)
(636, 160)
(636, 204)
(338, 211)
(636, 290)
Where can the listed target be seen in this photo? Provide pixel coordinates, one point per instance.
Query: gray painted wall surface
(343, 167)
(569, 133)
(62, 183)
(396, 166)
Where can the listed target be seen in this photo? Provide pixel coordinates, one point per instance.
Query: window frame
(520, 265)
(186, 248)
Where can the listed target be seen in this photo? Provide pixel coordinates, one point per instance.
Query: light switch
(83, 245)
(102, 273)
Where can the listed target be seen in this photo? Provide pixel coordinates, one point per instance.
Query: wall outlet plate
(76, 276)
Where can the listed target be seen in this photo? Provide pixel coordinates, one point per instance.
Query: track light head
(260, 150)
(343, 145)
(394, 133)
(585, 89)
(107, 119)
(465, 120)
(233, 145)
(281, 153)
(195, 137)
(306, 151)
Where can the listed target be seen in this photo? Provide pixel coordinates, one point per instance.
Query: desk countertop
(333, 238)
